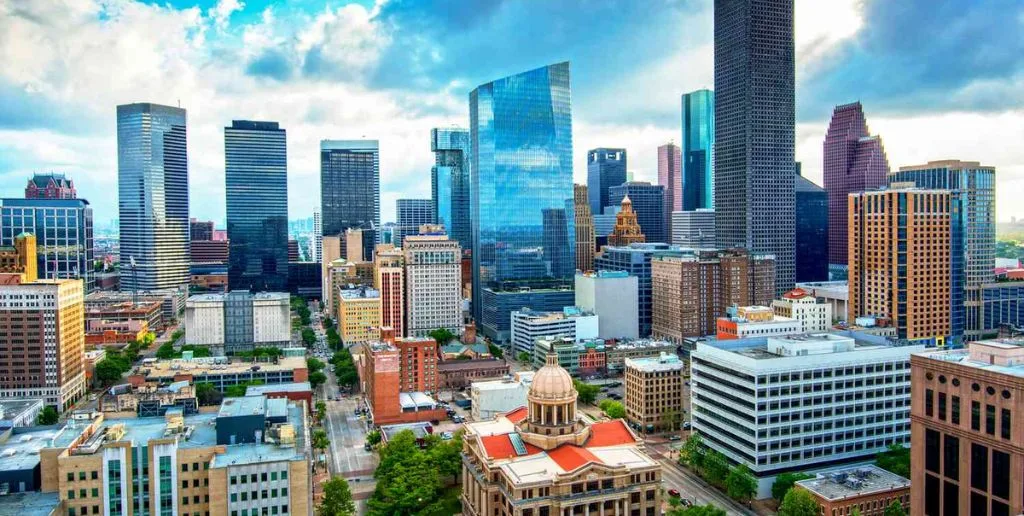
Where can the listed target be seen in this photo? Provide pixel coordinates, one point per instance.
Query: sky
(939, 79)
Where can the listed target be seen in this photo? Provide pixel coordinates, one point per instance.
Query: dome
(552, 382)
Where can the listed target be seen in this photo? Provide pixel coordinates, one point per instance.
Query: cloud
(221, 13)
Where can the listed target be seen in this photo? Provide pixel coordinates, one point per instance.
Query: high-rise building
(256, 177)
(449, 182)
(605, 168)
(811, 231)
(691, 290)
(654, 393)
(317, 242)
(627, 230)
(635, 259)
(350, 189)
(63, 231)
(854, 162)
(584, 224)
(200, 230)
(698, 164)
(411, 214)
(293, 250)
(358, 315)
(152, 178)
(389, 280)
(649, 203)
(972, 188)
(900, 260)
(754, 131)
(238, 321)
(670, 177)
(694, 229)
(523, 237)
(967, 429)
(614, 297)
(50, 186)
(433, 284)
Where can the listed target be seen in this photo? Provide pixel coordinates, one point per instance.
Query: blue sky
(939, 79)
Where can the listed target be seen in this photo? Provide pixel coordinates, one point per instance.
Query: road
(694, 488)
(347, 432)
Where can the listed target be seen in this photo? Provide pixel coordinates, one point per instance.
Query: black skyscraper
(350, 189)
(605, 168)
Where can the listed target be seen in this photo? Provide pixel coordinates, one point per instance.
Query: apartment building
(358, 315)
(654, 393)
(389, 280)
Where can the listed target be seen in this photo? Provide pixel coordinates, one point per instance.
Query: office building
(200, 230)
(691, 290)
(627, 229)
(456, 374)
(412, 213)
(579, 358)
(1002, 305)
(397, 373)
(317, 241)
(635, 260)
(811, 230)
(694, 229)
(754, 321)
(209, 253)
(222, 372)
(304, 280)
(584, 223)
(63, 229)
(614, 297)
(698, 152)
(125, 318)
(605, 168)
(20, 258)
(845, 398)
(654, 393)
(867, 489)
(238, 321)
(342, 274)
(256, 179)
(670, 178)
(604, 224)
(293, 250)
(493, 398)
(50, 186)
(449, 182)
(389, 280)
(524, 241)
(649, 203)
(152, 178)
(972, 188)
(967, 429)
(43, 323)
(754, 131)
(570, 322)
(540, 452)
(433, 284)
(617, 352)
(836, 294)
(900, 260)
(330, 253)
(350, 190)
(814, 314)
(171, 305)
(358, 315)
(855, 161)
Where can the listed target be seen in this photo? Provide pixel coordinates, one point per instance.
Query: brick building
(396, 376)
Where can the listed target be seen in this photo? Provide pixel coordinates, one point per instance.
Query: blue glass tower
(698, 150)
(63, 230)
(649, 205)
(522, 196)
(605, 168)
(811, 231)
(412, 213)
(256, 177)
(449, 182)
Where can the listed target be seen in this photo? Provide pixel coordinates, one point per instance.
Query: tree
(239, 389)
(698, 510)
(740, 483)
(716, 468)
(587, 393)
(784, 482)
(108, 372)
(799, 502)
(165, 351)
(373, 437)
(308, 337)
(693, 452)
(523, 357)
(670, 419)
(613, 409)
(496, 352)
(411, 480)
(317, 379)
(177, 335)
(896, 460)
(895, 509)
(319, 440)
(148, 339)
(206, 394)
(337, 500)
(321, 410)
(314, 365)
(48, 416)
(442, 336)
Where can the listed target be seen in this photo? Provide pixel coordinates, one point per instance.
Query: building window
(951, 457)
(976, 416)
(979, 467)
(990, 420)
(1001, 474)
(942, 406)
(1004, 430)
(929, 409)
(955, 411)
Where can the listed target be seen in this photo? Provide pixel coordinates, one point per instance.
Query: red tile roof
(609, 433)
(797, 293)
(516, 416)
(500, 447)
(569, 457)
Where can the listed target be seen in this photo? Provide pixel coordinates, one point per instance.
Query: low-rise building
(493, 398)
(799, 304)
(150, 399)
(613, 296)
(221, 372)
(868, 489)
(456, 374)
(296, 391)
(397, 375)
(358, 315)
(108, 333)
(835, 293)
(654, 393)
(579, 358)
(122, 317)
(755, 321)
(571, 322)
(617, 352)
(19, 412)
(121, 305)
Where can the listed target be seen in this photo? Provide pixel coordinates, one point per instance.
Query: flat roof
(15, 407)
(853, 481)
(415, 399)
(963, 357)
(32, 503)
(359, 293)
(21, 450)
(244, 406)
(240, 454)
(216, 365)
(258, 390)
(665, 362)
(420, 430)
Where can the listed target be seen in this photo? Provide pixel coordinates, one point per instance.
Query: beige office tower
(389, 280)
(433, 277)
(585, 239)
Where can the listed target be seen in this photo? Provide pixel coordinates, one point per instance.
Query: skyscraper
(811, 230)
(698, 150)
(318, 237)
(350, 189)
(389, 280)
(627, 230)
(854, 162)
(256, 178)
(649, 203)
(412, 213)
(605, 168)
(449, 182)
(433, 284)
(584, 229)
(670, 176)
(521, 168)
(152, 178)
(63, 231)
(754, 130)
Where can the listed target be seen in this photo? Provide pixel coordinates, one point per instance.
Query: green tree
(373, 437)
(108, 372)
(697, 510)
(239, 389)
(716, 468)
(442, 336)
(613, 409)
(319, 440)
(321, 410)
(799, 502)
(165, 351)
(317, 379)
(148, 339)
(496, 352)
(206, 394)
(48, 416)
(784, 482)
(693, 453)
(308, 337)
(740, 483)
(670, 419)
(895, 509)
(177, 335)
(523, 357)
(314, 365)
(411, 480)
(337, 500)
(896, 460)
(587, 393)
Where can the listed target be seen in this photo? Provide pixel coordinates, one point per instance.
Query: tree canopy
(337, 500)
(411, 479)
(613, 409)
(48, 416)
(895, 460)
(895, 509)
(798, 502)
(697, 510)
(784, 482)
(740, 483)
(587, 393)
(442, 336)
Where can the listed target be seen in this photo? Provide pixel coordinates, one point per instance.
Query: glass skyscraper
(412, 213)
(63, 231)
(350, 189)
(754, 131)
(522, 195)
(605, 168)
(449, 182)
(256, 191)
(152, 180)
(649, 205)
(812, 226)
(698, 150)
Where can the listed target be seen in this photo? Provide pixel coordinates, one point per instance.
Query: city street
(692, 487)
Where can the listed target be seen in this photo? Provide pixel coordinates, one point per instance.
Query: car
(673, 492)
(685, 502)
(674, 438)
(446, 436)
(367, 446)
(686, 425)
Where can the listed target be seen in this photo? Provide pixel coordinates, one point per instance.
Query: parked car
(673, 492)
(686, 425)
(674, 438)
(446, 436)
(367, 447)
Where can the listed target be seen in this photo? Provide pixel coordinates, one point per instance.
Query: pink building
(670, 175)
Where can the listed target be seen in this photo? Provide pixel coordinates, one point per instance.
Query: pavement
(691, 486)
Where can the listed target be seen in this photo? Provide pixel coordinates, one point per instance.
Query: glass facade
(754, 131)
(152, 169)
(412, 213)
(256, 180)
(238, 322)
(1002, 303)
(522, 190)
(63, 231)
(350, 189)
(649, 205)
(812, 231)
(698, 165)
(605, 168)
(114, 493)
(449, 182)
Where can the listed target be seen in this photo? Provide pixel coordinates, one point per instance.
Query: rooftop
(32, 503)
(664, 362)
(420, 430)
(853, 481)
(259, 390)
(219, 298)
(21, 449)
(240, 454)
(215, 366)
(359, 293)
(410, 400)
(524, 377)
(14, 408)
(1003, 356)
(604, 274)
(244, 406)
(946, 163)
(801, 345)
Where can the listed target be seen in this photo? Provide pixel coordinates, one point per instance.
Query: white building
(799, 304)
(694, 229)
(271, 318)
(613, 296)
(262, 319)
(792, 403)
(754, 321)
(317, 242)
(493, 398)
(204, 320)
(571, 322)
(835, 293)
(433, 284)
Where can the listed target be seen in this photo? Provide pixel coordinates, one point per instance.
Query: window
(284, 476)
(951, 457)
(990, 420)
(931, 499)
(71, 477)
(942, 406)
(955, 411)
(979, 467)
(976, 416)
(929, 409)
(95, 475)
(1001, 474)
(931, 451)
(950, 499)
(1004, 430)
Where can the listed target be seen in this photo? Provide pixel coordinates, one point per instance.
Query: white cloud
(821, 26)
(221, 13)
